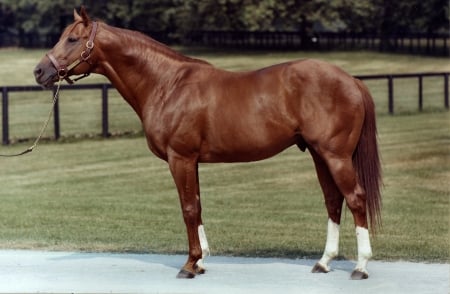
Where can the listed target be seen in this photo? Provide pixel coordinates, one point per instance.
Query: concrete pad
(71, 272)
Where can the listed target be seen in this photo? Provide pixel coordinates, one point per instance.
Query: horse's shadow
(177, 261)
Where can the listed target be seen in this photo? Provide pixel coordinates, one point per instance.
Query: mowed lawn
(114, 195)
(80, 110)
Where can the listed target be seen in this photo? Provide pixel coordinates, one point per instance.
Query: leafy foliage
(183, 16)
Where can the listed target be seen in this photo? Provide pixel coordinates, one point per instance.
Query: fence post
(420, 92)
(446, 90)
(5, 117)
(105, 131)
(391, 94)
(56, 125)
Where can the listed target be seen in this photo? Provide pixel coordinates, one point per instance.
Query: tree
(386, 17)
(253, 15)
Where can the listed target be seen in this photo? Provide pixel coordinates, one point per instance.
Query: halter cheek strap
(63, 70)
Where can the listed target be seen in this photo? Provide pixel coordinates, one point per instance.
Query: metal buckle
(62, 73)
(87, 53)
(90, 44)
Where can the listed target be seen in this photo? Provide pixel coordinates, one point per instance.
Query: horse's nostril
(37, 72)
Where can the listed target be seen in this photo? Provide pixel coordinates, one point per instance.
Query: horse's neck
(136, 65)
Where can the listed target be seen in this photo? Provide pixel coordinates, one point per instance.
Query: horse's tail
(366, 160)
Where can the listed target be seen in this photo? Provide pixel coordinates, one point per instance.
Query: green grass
(113, 195)
(78, 120)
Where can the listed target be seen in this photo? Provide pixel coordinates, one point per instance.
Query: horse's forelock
(70, 28)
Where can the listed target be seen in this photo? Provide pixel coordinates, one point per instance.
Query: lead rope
(55, 98)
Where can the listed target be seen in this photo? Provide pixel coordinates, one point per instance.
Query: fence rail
(390, 80)
(104, 88)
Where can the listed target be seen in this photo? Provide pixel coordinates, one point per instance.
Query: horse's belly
(243, 150)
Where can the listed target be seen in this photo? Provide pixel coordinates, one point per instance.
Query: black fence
(105, 88)
(420, 77)
(432, 44)
(424, 44)
(33, 40)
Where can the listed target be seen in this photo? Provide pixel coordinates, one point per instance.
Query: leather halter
(63, 69)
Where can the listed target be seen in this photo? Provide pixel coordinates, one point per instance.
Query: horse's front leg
(184, 172)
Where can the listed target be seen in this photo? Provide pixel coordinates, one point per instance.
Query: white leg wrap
(364, 249)
(332, 246)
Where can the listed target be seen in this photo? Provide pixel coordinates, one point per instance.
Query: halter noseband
(63, 69)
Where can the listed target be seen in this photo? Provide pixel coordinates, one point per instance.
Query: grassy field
(113, 195)
(28, 110)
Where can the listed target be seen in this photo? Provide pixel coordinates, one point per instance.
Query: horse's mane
(146, 41)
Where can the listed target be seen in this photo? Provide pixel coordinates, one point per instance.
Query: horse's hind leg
(344, 175)
(333, 202)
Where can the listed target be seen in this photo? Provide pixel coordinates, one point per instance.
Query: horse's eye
(72, 39)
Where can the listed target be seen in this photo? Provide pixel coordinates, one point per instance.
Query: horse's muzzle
(45, 76)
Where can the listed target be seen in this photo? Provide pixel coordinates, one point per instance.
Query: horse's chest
(157, 148)
(156, 136)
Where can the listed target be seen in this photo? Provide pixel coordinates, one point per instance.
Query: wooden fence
(105, 88)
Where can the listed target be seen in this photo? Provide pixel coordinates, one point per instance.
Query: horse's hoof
(318, 268)
(359, 275)
(184, 274)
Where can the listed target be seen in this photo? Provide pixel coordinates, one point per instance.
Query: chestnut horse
(192, 112)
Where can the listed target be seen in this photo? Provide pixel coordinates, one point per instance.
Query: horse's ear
(76, 16)
(84, 16)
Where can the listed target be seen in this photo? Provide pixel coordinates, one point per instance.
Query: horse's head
(71, 55)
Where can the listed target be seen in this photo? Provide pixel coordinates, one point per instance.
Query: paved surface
(69, 272)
